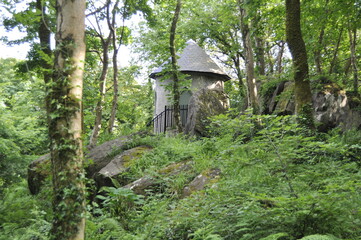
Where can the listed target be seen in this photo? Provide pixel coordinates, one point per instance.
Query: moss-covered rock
(118, 165)
(145, 183)
(96, 159)
(204, 104)
(284, 99)
(332, 106)
(199, 183)
(38, 171)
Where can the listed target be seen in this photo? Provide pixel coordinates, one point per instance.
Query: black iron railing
(165, 120)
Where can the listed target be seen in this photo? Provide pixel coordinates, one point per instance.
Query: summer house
(203, 73)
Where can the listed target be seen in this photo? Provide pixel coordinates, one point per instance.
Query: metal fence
(165, 120)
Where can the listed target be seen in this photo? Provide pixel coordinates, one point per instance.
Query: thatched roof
(195, 59)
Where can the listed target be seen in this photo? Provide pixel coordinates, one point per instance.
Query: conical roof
(195, 59)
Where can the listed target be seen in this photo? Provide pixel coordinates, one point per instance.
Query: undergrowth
(277, 182)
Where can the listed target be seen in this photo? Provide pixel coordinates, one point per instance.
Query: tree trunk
(303, 95)
(353, 57)
(280, 57)
(102, 89)
(317, 51)
(241, 87)
(333, 61)
(115, 67)
(66, 122)
(260, 52)
(44, 37)
(270, 59)
(249, 60)
(175, 72)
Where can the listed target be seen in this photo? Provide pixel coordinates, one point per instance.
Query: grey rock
(203, 104)
(118, 165)
(333, 107)
(145, 183)
(96, 159)
(200, 182)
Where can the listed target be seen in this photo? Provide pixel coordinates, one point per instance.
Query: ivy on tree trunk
(65, 126)
(175, 72)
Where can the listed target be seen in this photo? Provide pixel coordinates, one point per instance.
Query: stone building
(203, 73)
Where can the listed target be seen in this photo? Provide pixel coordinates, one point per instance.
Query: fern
(275, 236)
(320, 237)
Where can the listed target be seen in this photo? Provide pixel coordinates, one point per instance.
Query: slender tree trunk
(175, 72)
(346, 68)
(102, 90)
(353, 57)
(65, 126)
(241, 87)
(280, 57)
(303, 95)
(317, 51)
(249, 59)
(115, 68)
(260, 52)
(334, 58)
(115, 92)
(44, 37)
(270, 59)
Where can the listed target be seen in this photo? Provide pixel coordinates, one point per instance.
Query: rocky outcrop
(38, 171)
(101, 155)
(119, 165)
(332, 106)
(202, 105)
(95, 160)
(143, 184)
(200, 182)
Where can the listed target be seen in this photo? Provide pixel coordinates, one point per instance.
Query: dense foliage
(22, 129)
(277, 182)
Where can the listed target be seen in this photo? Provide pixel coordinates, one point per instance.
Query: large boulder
(95, 160)
(332, 106)
(38, 171)
(119, 165)
(203, 104)
(147, 183)
(201, 181)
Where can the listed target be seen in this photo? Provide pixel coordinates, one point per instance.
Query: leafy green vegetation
(22, 130)
(277, 182)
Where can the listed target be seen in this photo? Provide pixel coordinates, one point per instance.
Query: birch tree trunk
(303, 95)
(175, 72)
(65, 126)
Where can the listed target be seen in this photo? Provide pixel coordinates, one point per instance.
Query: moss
(174, 167)
(134, 154)
(284, 99)
(354, 100)
(332, 88)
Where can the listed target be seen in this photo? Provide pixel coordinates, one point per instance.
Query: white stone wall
(199, 81)
(161, 95)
